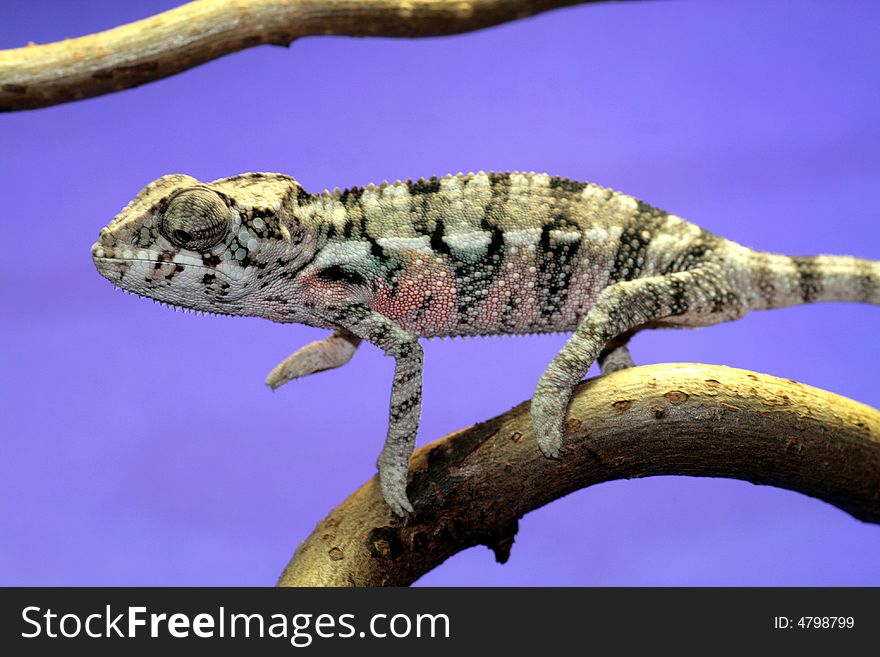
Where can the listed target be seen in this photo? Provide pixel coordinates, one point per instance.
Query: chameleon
(461, 255)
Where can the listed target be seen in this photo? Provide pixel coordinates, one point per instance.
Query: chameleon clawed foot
(392, 482)
(551, 445)
(548, 413)
(327, 354)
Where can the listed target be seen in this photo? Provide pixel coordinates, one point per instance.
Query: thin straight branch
(176, 40)
(471, 487)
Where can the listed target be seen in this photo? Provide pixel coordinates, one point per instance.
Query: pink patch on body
(422, 298)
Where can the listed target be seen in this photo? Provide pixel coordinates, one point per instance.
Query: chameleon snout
(100, 251)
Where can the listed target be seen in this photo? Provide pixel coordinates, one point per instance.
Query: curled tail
(778, 281)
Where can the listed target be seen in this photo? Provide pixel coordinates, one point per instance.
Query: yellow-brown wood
(471, 487)
(41, 75)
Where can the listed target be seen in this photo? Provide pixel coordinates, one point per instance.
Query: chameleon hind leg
(697, 297)
(333, 351)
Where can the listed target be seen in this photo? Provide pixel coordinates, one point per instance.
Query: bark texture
(176, 40)
(472, 486)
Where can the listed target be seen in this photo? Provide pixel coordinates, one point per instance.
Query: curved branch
(471, 487)
(197, 32)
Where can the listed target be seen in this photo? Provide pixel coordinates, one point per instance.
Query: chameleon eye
(195, 219)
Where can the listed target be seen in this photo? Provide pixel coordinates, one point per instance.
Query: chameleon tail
(779, 281)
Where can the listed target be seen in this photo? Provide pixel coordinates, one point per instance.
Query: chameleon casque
(475, 254)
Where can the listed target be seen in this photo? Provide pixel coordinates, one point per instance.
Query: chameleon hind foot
(615, 358)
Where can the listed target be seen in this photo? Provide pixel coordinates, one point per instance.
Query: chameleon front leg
(406, 395)
(333, 351)
(689, 297)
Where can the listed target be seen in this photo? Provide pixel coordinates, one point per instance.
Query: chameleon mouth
(112, 269)
(103, 256)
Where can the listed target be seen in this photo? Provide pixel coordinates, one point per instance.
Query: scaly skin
(474, 254)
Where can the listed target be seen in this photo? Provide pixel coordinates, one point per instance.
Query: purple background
(139, 445)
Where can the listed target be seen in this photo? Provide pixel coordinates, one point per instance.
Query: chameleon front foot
(549, 404)
(392, 481)
(327, 354)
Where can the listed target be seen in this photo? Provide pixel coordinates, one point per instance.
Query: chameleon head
(188, 244)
